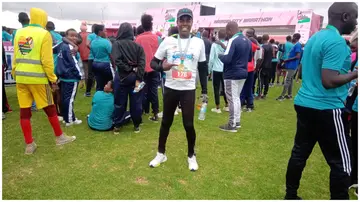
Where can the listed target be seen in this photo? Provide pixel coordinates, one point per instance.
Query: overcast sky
(132, 11)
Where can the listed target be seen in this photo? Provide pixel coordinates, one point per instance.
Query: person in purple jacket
(236, 57)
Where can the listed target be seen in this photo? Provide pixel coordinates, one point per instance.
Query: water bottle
(202, 112)
(141, 86)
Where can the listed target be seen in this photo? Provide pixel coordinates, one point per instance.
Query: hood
(125, 32)
(38, 16)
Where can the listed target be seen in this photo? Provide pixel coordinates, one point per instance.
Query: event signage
(9, 53)
(244, 20)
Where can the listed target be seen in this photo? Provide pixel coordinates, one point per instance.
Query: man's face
(350, 21)
(184, 25)
(354, 46)
(72, 36)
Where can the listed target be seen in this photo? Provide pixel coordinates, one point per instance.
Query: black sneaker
(263, 97)
(228, 128)
(288, 97)
(154, 119)
(280, 98)
(87, 94)
(137, 129)
(238, 125)
(116, 131)
(292, 198)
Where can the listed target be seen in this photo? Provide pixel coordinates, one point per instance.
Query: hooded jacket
(129, 56)
(38, 18)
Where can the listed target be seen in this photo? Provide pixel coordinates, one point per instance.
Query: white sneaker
(193, 165)
(60, 118)
(77, 121)
(216, 110)
(178, 109)
(160, 115)
(176, 113)
(160, 158)
(226, 109)
(69, 124)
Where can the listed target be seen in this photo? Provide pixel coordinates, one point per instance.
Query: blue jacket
(237, 55)
(67, 68)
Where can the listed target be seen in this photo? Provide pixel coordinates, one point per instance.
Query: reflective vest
(29, 69)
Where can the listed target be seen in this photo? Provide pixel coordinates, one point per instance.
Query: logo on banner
(25, 45)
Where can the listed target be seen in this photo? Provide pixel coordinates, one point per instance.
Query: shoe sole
(116, 133)
(136, 131)
(232, 131)
(155, 166)
(31, 152)
(237, 127)
(72, 140)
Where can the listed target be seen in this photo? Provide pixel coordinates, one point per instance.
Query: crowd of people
(49, 68)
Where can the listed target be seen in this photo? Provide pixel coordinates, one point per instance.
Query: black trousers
(218, 82)
(170, 102)
(264, 81)
(90, 81)
(102, 73)
(354, 143)
(4, 98)
(330, 129)
(273, 71)
(203, 76)
(150, 93)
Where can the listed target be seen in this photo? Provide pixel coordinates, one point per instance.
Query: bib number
(181, 75)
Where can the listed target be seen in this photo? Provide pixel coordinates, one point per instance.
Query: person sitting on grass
(101, 115)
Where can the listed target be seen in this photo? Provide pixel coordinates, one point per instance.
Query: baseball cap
(184, 12)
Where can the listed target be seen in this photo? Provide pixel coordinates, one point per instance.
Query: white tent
(60, 25)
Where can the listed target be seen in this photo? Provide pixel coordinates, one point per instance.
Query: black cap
(184, 12)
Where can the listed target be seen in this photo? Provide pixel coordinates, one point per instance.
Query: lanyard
(237, 34)
(183, 53)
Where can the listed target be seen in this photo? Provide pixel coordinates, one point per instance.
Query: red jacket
(251, 67)
(83, 49)
(150, 43)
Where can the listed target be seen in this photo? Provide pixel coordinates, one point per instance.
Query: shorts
(41, 93)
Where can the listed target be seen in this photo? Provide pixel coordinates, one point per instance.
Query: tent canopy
(60, 25)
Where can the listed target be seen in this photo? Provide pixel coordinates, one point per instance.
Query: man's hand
(5, 67)
(74, 50)
(54, 87)
(167, 66)
(137, 83)
(220, 43)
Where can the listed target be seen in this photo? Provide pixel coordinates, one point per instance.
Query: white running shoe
(178, 109)
(69, 124)
(77, 121)
(60, 118)
(176, 113)
(226, 109)
(160, 115)
(216, 110)
(193, 165)
(160, 158)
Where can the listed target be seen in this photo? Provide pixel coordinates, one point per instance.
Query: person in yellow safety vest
(33, 71)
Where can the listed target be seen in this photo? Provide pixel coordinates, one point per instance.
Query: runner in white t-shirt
(184, 55)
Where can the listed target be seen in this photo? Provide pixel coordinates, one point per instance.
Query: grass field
(250, 164)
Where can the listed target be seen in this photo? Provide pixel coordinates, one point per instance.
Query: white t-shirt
(178, 78)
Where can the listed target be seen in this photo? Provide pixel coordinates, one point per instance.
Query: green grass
(250, 164)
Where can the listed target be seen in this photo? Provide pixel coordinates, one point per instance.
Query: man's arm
(228, 55)
(297, 50)
(212, 57)
(47, 60)
(75, 47)
(141, 65)
(332, 66)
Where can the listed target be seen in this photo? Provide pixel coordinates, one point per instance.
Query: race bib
(183, 75)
